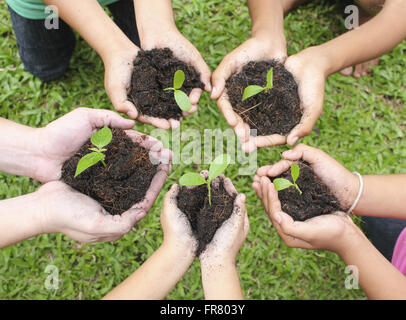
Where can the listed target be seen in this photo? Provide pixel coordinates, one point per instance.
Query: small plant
(254, 89)
(181, 98)
(281, 183)
(217, 167)
(99, 139)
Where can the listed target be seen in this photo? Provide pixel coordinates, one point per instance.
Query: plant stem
(297, 187)
(209, 191)
(104, 164)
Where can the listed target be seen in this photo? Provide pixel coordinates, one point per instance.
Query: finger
(100, 118)
(156, 122)
(174, 123)
(193, 109)
(305, 152)
(306, 124)
(117, 93)
(170, 199)
(224, 70)
(120, 225)
(346, 71)
(216, 181)
(264, 190)
(269, 141)
(263, 171)
(279, 168)
(133, 216)
(229, 187)
(204, 70)
(257, 187)
(227, 110)
(194, 96)
(155, 187)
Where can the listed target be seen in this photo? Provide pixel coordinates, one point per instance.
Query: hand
(177, 230)
(80, 217)
(335, 176)
(254, 49)
(184, 50)
(62, 138)
(309, 71)
(118, 66)
(334, 232)
(229, 238)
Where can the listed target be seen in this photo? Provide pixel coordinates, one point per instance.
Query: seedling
(254, 89)
(181, 98)
(281, 183)
(99, 139)
(217, 167)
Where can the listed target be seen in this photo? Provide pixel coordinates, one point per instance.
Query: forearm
(156, 277)
(18, 147)
(152, 16)
(20, 219)
(267, 21)
(371, 40)
(383, 196)
(90, 20)
(221, 282)
(377, 276)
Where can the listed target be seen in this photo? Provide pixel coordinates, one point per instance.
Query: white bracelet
(361, 187)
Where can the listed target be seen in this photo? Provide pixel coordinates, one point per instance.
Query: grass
(362, 126)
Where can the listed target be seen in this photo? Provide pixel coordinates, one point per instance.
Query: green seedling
(217, 167)
(281, 183)
(181, 98)
(99, 139)
(254, 89)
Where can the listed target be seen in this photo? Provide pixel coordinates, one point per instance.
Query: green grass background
(363, 126)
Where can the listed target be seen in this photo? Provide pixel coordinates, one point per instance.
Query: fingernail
(213, 92)
(278, 218)
(132, 114)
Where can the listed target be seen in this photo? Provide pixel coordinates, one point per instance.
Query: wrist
(315, 57)
(349, 241)
(182, 254)
(274, 44)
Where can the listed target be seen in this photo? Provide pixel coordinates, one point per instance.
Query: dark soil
(316, 199)
(274, 111)
(153, 72)
(125, 180)
(205, 220)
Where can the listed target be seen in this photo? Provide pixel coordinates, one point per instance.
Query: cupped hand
(176, 227)
(334, 175)
(184, 50)
(332, 232)
(310, 76)
(81, 218)
(62, 138)
(254, 49)
(229, 238)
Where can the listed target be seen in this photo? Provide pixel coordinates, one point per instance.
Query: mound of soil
(205, 219)
(316, 198)
(153, 72)
(120, 185)
(274, 111)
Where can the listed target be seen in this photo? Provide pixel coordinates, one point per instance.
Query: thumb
(305, 126)
(219, 77)
(170, 199)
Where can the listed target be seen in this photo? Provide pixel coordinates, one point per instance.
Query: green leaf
(251, 91)
(218, 166)
(191, 179)
(182, 100)
(281, 183)
(178, 79)
(102, 137)
(294, 171)
(87, 161)
(269, 79)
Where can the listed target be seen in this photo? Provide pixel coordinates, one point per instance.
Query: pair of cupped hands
(68, 211)
(306, 71)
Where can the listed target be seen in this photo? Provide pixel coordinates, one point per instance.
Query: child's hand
(254, 49)
(310, 75)
(229, 238)
(338, 179)
(178, 233)
(184, 50)
(80, 217)
(332, 232)
(62, 138)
